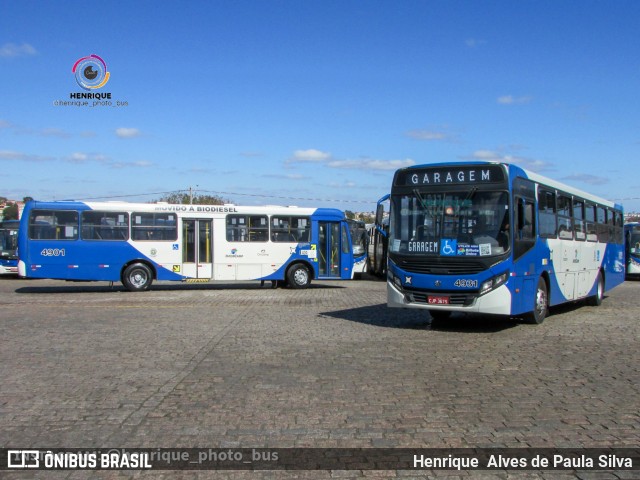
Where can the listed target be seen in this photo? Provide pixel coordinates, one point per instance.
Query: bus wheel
(540, 304)
(298, 276)
(596, 300)
(137, 277)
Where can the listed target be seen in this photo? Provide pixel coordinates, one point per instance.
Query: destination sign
(450, 175)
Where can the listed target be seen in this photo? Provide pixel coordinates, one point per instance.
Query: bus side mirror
(379, 214)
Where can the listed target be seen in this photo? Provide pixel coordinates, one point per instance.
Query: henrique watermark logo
(91, 74)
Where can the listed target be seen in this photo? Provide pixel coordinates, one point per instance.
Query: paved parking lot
(237, 365)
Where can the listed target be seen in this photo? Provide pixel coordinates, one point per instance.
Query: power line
(235, 194)
(106, 197)
(280, 197)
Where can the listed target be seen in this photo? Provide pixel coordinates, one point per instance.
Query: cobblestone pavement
(236, 365)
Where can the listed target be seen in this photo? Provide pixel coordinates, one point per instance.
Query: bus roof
(184, 208)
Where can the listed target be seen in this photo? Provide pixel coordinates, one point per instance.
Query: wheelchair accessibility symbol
(448, 247)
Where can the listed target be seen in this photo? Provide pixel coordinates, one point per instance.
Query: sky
(315, 103)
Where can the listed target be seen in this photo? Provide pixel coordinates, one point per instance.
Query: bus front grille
(437, 267)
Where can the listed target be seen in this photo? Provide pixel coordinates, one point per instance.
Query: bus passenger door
(335, 253)
(197, 248)
(329, 250)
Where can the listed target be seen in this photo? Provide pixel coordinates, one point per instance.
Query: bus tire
(596, 300)
(137, 277)
(540, 304)
(298, 276)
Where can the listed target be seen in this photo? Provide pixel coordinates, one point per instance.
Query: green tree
(11, 212)
(349, 214)
(180, 198)
(366, 218)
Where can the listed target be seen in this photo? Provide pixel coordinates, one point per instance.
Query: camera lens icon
(91, 72)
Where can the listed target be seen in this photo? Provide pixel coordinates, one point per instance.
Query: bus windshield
(8, 242)
(358, 233)
(634, 240)
(471, 223)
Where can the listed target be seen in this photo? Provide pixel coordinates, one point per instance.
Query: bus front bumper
(495, 302)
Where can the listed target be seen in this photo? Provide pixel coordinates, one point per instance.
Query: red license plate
(437, 300)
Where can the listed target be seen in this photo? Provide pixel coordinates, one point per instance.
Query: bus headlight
(493, 283)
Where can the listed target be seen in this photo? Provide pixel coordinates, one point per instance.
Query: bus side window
(601, 227)
(53, 225)
(611, 225)
(565, 222)
(578, 219)
(590, 216)
(619, 227)
(525, 227)
(547, 213)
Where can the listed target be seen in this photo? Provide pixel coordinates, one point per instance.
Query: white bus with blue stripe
(632, 243)
(139, 243)
(494, 238)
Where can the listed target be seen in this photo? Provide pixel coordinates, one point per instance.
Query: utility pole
(191, 195)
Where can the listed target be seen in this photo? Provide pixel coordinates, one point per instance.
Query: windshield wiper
(423, 203)
(470, 195)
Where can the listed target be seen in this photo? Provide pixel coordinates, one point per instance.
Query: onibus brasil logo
(91, 72)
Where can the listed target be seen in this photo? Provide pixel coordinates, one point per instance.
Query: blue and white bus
(494, 238)
(632, 243)
(139, 243)
(360, 240)
(8, 247)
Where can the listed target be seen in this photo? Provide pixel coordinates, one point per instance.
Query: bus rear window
(53, 225)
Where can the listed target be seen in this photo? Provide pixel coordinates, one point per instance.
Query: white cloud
(22, 157)
(54, 132)
(586, 178)
(12, 50)
(136, 164)
(342, 185)
(492, 156)
(78, 157)
(289, 176)
(128, 132)
(312, 155)
(511, 100)
(364, 163)
(81, 157)
(371, 164)
(432, 134)
(426, 135)
(40, 132)
(474, 42)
